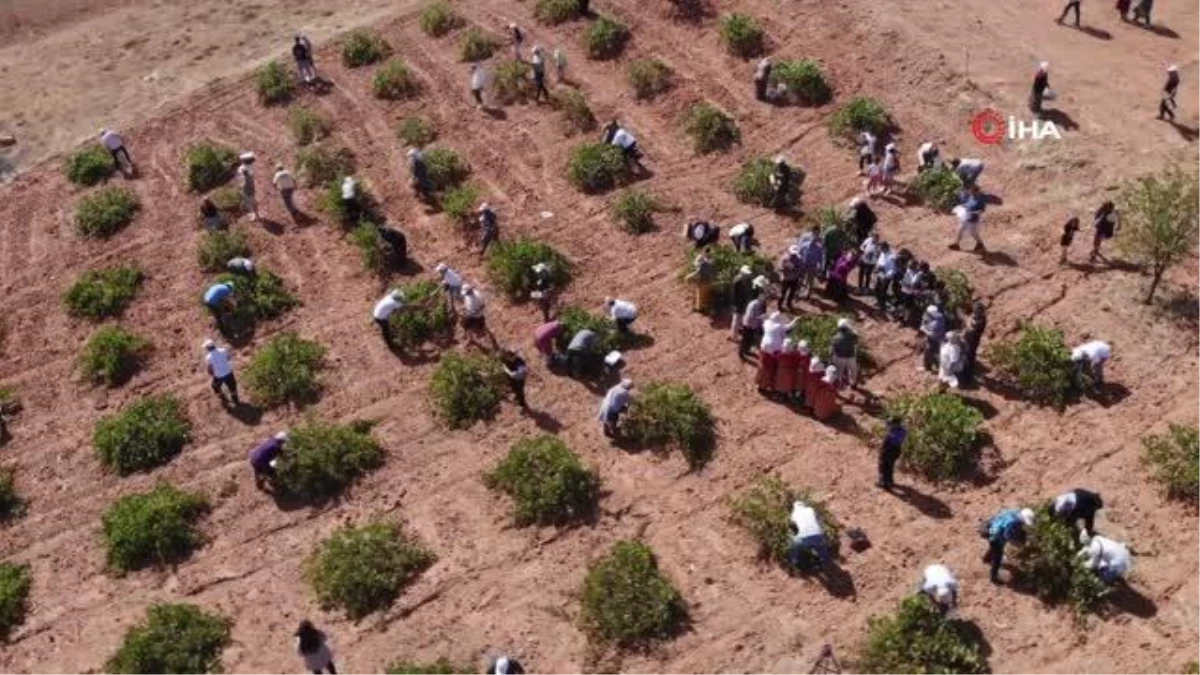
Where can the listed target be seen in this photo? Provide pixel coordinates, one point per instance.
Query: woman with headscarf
(950, 360)
(837, 282)
(615, 402)
(785, 374)
(803, 360)
(1105, 222)
(816, 370)
(1041, 82)
(775, 331)
(825, 404)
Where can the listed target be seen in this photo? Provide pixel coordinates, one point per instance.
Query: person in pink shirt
(544, 338)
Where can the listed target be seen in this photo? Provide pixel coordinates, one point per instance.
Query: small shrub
(437, 19)
(11, 504)
(319, 166)
(803, 79)
(649, 78)
(219, 247)
(443, 666)
(1049, 564)
(608, 338)
(258, 298)
(362, 48)
(174, 638)
(459, 204)
(959, 292)
(1191, 668)
(475, 45)
(726, 263)
(938, 188)
(102, 213)
(286, 370)
(710, 129)
(416, 132)
(663, 415)
(446, 168)
(90, 165)
(424, 317)
(605, 39)
(635, 210)
(153, 528)
(1174, 459)
(363, 569)
(742, 35)
(394, 81)
(144, 435)
(1161, 217)
(10, 402)
(112, 355)
(576, 113)
(274, 83)
(15, 581)
(322, 459)
(511, 83)
(554, 12)
(371, 247)
(308, 126)
(943, 433)
(860, 114)
(465, 389)
(1038, 364)
(627, 601)
(766, 509)
(209, 165)
(818, 330)
(100, 294)
(227, 199)
(547, 482)
(753, 184)
(919, 638)
(596, 167)
(509, 263)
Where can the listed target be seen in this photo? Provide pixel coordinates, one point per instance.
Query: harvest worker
(249, 191)
(628, 144)
(615, 402)
(420, 174)
(762, 77)
(1079, 504)
(219, 300)
(703, 273)
(938, 582)
(1007, 526)
(240, 265)
(541, 287)
(622, 312)
(538, 63)
(970, 215)
(752, 321)
(517, 39)
(862, 219)
(775, 329)
(544, 338)
(1166, 107)
(220, 369)
(505, 665)
(313, 647)
(302, 52)
(972, 336)
(350, 205)
(581, 351)
(810, 548)
(515, 368)
(928, 157)
(968, 170)
(1090, 358)
(782, 177)
(889, 452)
(452, 283)
(791, 269)
(115, 145)
(742, 236)
(383, 311)
(1041, 82)
(488, 225)
(474, 307)
(933, 327)
(263, 457)
(286, 184)
(1110, 559)
(742, 289)
(843, 349)
(701, 232)
(479, 80)
(397, 241)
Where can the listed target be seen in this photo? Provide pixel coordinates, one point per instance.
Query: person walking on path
(479, 81)
(219, 366)
(889, 453)
(1079, 504)
(615, 403)
(1067, 238)
(302, 52)
(1141, 11)
(263, 456)
(515, 368)
(1006, 527)
(538, 64)
(703, 274)
(420, 174)
(1166, 107)
(514, 34)
(1071, 5)
(1041, 82)
(489, 227)
(249, 191)
(115, 145)
(313, 647)
(383, 311)
(970, 217)
(1105, 222)
(285, 182)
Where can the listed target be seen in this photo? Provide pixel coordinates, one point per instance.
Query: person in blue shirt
(219, 299)
(893, 442)
(1007, 526)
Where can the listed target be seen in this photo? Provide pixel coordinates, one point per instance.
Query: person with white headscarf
(775, 329)
(1108, 558)
(810, 545)
(933, 328)
(938, 582)
(762, 77)
(505, 666)
(950, 359)
(249, 191)
(615, 403)
(1041, 83)
(1166, 106)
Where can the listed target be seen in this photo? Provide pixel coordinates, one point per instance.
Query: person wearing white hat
(302, 52)
(383, 311)
(1007, 526)
(1041, 82)
(791, 269)
(263, 458)
(541, 288)
(867, 143)
(869, 250)
(938, 582)
(615, 403)
(622, 312)
(1166, 106)
(489, 227)
(774, 331)
(741, 289)
(115, 145)
(220, 368)
(928, 157)
(517, 39)
(762, 78)
(1071, 5)
(782, 177)
(350, 206)
(742, 236)
(1089, 358)
(843, 351)
(452, 283)
(538, 64)
(249, 191)
(240, 265)
(505, 666)
(933, 328)
(285, 182)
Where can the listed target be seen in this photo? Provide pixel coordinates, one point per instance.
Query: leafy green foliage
(1174, 459)
(286, 370)
(227, 199)
(112, 355)
(458, 204)
(742, 35)
(12, 505)
(605, 39)
(1037, 363)
(804, 79)
(628, 601)
(753, 184)
(416, 132)
(938, 187)
(576, 113)
(442, 666)
(663, 415)
(144, 435)
(860, 114)
(174, 638)
(959, 292)
(209, 165)
(650, 77)
(554, 12)
(331, 202)
(608, 338)
(10, 402)
(307, 125)
(818, 330)
(104, 212)
(438, 18)
(765, 510)
(511, 83)
(465, 389)
(363, 47)
(597, 167)
(509, 263)
(320, 166)
(363, 569)
(90, 165)
(446, 168)
(99, 294)
(635, 210)
(15, 581)
(394, 81)
(710, 129)
(424, 317)
(1160, 221)
(919, 638)
(219, 247)
(321, 459)
(274, 83)
(1191, 668)
(547, 482)
(153, 528)
(943, 433)
(1050, 565)
(370, 247)
(476, 45)
(726, 263)
(259, 297)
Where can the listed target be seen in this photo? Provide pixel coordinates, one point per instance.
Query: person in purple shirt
(893, 442)
(263, 456)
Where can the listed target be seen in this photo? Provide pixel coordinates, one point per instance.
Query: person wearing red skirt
(785, 374)
(803, 360)
(825, 404)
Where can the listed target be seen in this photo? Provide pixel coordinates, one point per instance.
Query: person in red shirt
(785, 375)
(826, 404)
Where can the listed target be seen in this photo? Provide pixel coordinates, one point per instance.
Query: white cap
(794, 250)
(779, 159)
(467, 288)
(281, 436)
(627, 383)
(441, 267)
(397, 295)
(843, 323)
(412, 152)
(246, 157)
(484, 206)
(512, 25)
(760, 281)
(802, 347)
(1044, 66)
(745, 269)
(540, 267)
(1027, 517)
(855, 201)
(1172, 68)
(932, 309)
(209, 344)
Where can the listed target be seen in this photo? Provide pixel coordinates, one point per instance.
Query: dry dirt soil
(497, 588)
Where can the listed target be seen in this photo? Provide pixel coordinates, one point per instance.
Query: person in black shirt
(538, 63)
(701, 233)
(1068, 236)
(397, 241)
(863, 219)
(489, 226)
(302, 52)
(972, 337)
(505, 666)
(742, 290)
(1079, 504)
(1104, 221)
(781, 181)
(1166, 107)
(1041, 82)
(514, 367)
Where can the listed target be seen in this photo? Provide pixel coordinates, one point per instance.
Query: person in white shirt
(939, 584)
(869, 257)
(115, 145)
(220, 368)
(285, 182)
(350, 205)
(950, 359)
(1108, 558)
(627, 142)
(474, 307)
(775, 331)
(240, 265)
(1090, 358)
(615, 402)
(623, 313)
(866, 151)
(249, 191)
(810, 547)
(928, 157)
(383, 311)
(452, 283)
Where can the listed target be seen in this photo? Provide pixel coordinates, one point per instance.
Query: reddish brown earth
(498, 588)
